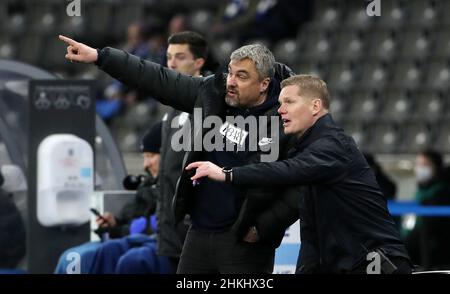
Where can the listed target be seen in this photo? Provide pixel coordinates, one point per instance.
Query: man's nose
(281, 110)
(231, 81)
(171, 64)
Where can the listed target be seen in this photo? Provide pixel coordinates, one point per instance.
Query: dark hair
(151, 141)
(435, 157)
(197, 44)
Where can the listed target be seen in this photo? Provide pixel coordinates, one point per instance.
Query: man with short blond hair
(310, 86)
(345, 224)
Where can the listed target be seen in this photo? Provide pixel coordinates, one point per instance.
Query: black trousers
(213, 253)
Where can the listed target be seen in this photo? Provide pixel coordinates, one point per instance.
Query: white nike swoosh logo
(265, 141)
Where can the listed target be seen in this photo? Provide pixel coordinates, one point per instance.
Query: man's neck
(319, 115)
(262, 99)
(316, 118)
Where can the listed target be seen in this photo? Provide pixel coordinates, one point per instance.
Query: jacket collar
(317, 130)
(270, 102)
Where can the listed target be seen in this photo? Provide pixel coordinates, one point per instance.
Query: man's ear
(198, 63)
(264, 85)
(316, 106)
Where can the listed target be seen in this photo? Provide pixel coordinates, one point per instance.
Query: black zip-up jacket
(208, 93)
(143, 204)
(170, 236)
(342, 211)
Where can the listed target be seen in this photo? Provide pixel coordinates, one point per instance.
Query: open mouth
(231, 93)
(285, 121)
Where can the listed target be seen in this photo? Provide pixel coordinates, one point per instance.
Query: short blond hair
(309, 86)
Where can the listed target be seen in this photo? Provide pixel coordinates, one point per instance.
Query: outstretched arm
(165, 85)
(323, 161)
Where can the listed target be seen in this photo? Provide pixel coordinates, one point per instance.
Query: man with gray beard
(229, 232)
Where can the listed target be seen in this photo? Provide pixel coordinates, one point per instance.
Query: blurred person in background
(261, 19)
(119, 226)
(146, 40)
(177, 24)
(135, 253)
(12, 233)
(428, 240)
(387, 185)
(136, 219)
(187, 54)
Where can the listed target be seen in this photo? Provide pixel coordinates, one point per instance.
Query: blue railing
(398, 208)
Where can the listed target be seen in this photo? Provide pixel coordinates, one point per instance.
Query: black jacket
(142, 204)
(170, 236)
(186, 93)
(342, 211)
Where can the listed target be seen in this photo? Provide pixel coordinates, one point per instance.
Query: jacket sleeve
(165, 85)
(279, 216)
(321, 162)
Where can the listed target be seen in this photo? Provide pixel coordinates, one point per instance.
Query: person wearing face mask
(428, 240)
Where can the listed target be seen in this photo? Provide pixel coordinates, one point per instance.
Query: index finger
(194, 165)
(67, 40)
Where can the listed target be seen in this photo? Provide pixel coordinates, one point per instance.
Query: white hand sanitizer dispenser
(65, 180)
